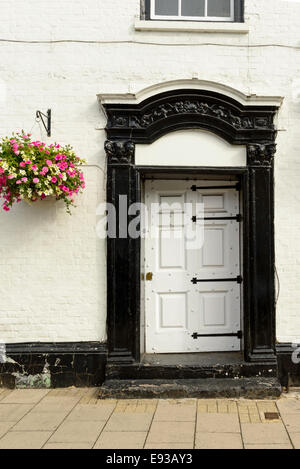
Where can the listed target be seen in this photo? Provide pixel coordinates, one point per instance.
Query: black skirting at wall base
(288, 358)
(52, 365)
(58, 365)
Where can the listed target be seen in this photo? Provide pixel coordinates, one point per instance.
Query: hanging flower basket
(31, 171)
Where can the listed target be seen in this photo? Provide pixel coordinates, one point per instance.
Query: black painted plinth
(53, 365)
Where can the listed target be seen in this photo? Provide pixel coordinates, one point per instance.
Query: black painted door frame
(143, 123)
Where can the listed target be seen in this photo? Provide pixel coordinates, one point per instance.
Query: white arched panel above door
(191, 148)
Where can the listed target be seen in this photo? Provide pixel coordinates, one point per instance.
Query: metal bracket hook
(41, 115)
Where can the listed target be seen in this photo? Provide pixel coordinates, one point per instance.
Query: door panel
(175, 306)
(219, 256)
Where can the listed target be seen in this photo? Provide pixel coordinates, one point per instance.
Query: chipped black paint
(53, 365)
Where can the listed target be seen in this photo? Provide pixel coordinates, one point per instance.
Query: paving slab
(218, 423)
(135, 406)
(93, 412)
(5, 426)
(171, 432)
(4, 393)
(291, 422)
(54, 406)
(135, 422)
(270, 446)
(24, 440)
(178, 412)
(77, 432)
(68, 446)
(25, 396)
(288, 406)
(121, 440)
(13, 412)
(264, 433)
(169, 446)
(295, 439)
(40, 421)
(218, 441)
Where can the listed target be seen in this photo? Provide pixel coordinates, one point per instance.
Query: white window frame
(179, 17)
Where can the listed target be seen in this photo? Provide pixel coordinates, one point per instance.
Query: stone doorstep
(251, 388)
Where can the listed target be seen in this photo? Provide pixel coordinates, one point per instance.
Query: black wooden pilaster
(122, 284)
(261, 249)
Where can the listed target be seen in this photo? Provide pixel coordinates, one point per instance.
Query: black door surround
(238, 124)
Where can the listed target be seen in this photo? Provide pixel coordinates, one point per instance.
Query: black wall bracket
(40, 115)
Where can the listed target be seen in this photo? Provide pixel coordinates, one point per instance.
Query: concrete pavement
(76, 419)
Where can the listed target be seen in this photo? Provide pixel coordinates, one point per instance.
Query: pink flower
(35, 180)
(22, 164)
(44, 171)
(7, 209)
(1, 170)
(16, 152)
(34, 167)
(24, 179)
(28, 162)
(60, 176)
(62, 166)
(43, 196)
(19, 182)
(10, 176)
(58, 157)
(54, 179)
(49, 162)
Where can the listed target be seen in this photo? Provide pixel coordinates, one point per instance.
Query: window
(195, 10)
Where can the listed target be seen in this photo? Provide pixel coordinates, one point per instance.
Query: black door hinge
(238, 334)
(238, 279)
(238, 218)
(237, 187)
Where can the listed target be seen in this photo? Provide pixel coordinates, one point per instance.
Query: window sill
(191, 26)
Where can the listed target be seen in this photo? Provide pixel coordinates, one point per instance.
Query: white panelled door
(191, 285)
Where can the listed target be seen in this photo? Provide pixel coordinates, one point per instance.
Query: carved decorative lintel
(120, 151)
(174, 110)
(160, 112)
(261, 154)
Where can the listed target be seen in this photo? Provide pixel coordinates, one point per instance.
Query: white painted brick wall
(52, 267)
